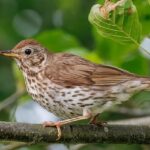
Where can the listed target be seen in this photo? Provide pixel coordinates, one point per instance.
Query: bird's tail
(145, 83)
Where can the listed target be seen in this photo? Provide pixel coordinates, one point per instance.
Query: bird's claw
(99, 123)
(54, 124)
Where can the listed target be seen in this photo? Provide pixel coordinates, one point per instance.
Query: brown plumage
(71, 87)
(72, 70)
(25, 43)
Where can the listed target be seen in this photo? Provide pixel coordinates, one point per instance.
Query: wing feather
(71, 70)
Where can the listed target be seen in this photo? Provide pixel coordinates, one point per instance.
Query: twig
(15, 145)
(134, 121)
(134, 112)
(10, 100)
(109, 133)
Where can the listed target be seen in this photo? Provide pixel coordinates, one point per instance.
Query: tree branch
(110, 133)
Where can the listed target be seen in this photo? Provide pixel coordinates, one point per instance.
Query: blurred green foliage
(63, 26)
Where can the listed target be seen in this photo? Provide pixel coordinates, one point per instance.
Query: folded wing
(71, 70)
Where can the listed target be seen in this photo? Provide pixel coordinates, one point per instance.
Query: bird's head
(28, 53)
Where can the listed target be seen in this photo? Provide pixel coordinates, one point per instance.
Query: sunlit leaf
(118, 21)
(92, 56)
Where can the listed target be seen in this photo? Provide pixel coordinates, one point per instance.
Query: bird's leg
(58, 124)
(95, 122)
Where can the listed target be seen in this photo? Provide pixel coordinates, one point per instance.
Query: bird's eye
(28, 51)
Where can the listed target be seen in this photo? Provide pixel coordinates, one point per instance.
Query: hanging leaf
(118, 21)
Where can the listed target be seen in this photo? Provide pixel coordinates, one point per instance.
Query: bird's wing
(107, 75)
(71, 70)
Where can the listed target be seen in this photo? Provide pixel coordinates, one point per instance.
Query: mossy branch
(110, 133)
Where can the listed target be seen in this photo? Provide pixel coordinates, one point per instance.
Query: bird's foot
(97, 122)
(63, 122)
(54, 124)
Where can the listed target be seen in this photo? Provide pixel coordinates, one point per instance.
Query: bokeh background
(63, 26)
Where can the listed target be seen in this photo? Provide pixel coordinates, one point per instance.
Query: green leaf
(118, 21)
(85, 53)
(57, 40)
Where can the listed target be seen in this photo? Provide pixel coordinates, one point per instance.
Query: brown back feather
(71, 70)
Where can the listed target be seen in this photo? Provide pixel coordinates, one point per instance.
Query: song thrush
(71, 87)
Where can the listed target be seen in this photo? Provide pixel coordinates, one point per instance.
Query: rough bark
(110, 133)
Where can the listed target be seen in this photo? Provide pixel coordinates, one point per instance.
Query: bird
(72, 87)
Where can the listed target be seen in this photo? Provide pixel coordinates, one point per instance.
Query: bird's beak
(9, 53)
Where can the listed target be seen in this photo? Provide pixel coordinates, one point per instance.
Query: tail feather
(145, 82)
